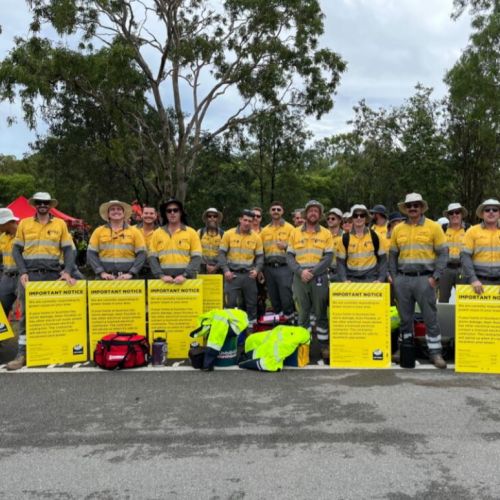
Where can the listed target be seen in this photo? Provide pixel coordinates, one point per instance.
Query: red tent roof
(23, 209)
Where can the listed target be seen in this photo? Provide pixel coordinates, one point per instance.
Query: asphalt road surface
(234, 434)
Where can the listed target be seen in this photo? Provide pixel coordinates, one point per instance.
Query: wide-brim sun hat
(455, 206)
(413, 198)
(43, 196)
(7, 215)
(346, 215)
(104, 209)
(490, 202)
(212, 211)
(379, 209)
(395, 216)
(335, 211)
(360, 208)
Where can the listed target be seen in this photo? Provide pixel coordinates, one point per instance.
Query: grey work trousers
(242, 283)
(411, 289)
(33, 276)
(451, 277)
(313, 297)
(279, 288)
(8, 292)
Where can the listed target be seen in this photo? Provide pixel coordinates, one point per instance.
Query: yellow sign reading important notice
(477, 330)
(173, 312)
(213, 291)
(116, 306)
(5, 328)
(56, 322)
(360, 325)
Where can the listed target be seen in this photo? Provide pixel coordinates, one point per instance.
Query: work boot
(17, 363)
(396, 357)
(438, 361)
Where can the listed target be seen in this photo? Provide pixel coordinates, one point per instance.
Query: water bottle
(159, 351)
(407, 353)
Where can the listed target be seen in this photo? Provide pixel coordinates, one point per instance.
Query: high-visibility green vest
(272, 347)
(395, 322)
(216, 324)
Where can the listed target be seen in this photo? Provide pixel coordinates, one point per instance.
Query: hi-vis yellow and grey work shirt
(480, 255)
(455, 241)
(310, 250)
(240, 251)
(418, 249)
(270, 237)
(37, 247)
(360, 260)
(6, 244)
(175, 254)
(210, 242)
(114, 252)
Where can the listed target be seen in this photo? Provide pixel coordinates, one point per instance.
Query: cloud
(389, 45)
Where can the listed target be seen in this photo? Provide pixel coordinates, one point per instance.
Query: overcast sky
(389, 45)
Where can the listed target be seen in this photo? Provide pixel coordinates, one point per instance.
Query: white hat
(491, 202)
(335, 211)
(361, 208)
(104, 209)
(455, 206)
(42, 196)
(346, 215)
(212, 211)
(442, 221)
(7, 215)
(412, 198)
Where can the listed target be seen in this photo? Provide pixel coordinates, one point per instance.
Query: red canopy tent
(23, 209)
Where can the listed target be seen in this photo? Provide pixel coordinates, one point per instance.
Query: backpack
(375, 241)
(121, 350)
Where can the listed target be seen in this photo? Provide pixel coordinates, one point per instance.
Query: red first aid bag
(121, 350)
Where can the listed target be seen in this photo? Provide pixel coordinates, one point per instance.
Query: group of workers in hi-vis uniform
(295, 263)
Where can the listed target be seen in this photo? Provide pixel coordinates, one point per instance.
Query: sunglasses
(212, 216)
(332, 217)
(490, 209)
(413, 205)
(172, 210)
(276, 209)
(358, 216)
(42, 202)
(455, 212)
(257, 216)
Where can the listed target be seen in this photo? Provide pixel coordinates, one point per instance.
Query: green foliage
(14, 185)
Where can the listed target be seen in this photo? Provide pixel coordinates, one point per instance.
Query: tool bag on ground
(218, 325)
(121, 350)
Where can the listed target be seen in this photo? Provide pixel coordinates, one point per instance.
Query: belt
(240, 271)
(275, 264)
(417, 273)
(489, 278)
(11, 274)
(43, 271)
(453, 265)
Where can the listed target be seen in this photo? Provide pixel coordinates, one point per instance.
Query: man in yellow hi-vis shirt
(481, 251)
(37, 250)
(9, 279)
(276, 271)
(455, 234)
(175, 253)
(241, 258)
(116, 250)
(309, 255)
(417, 259)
